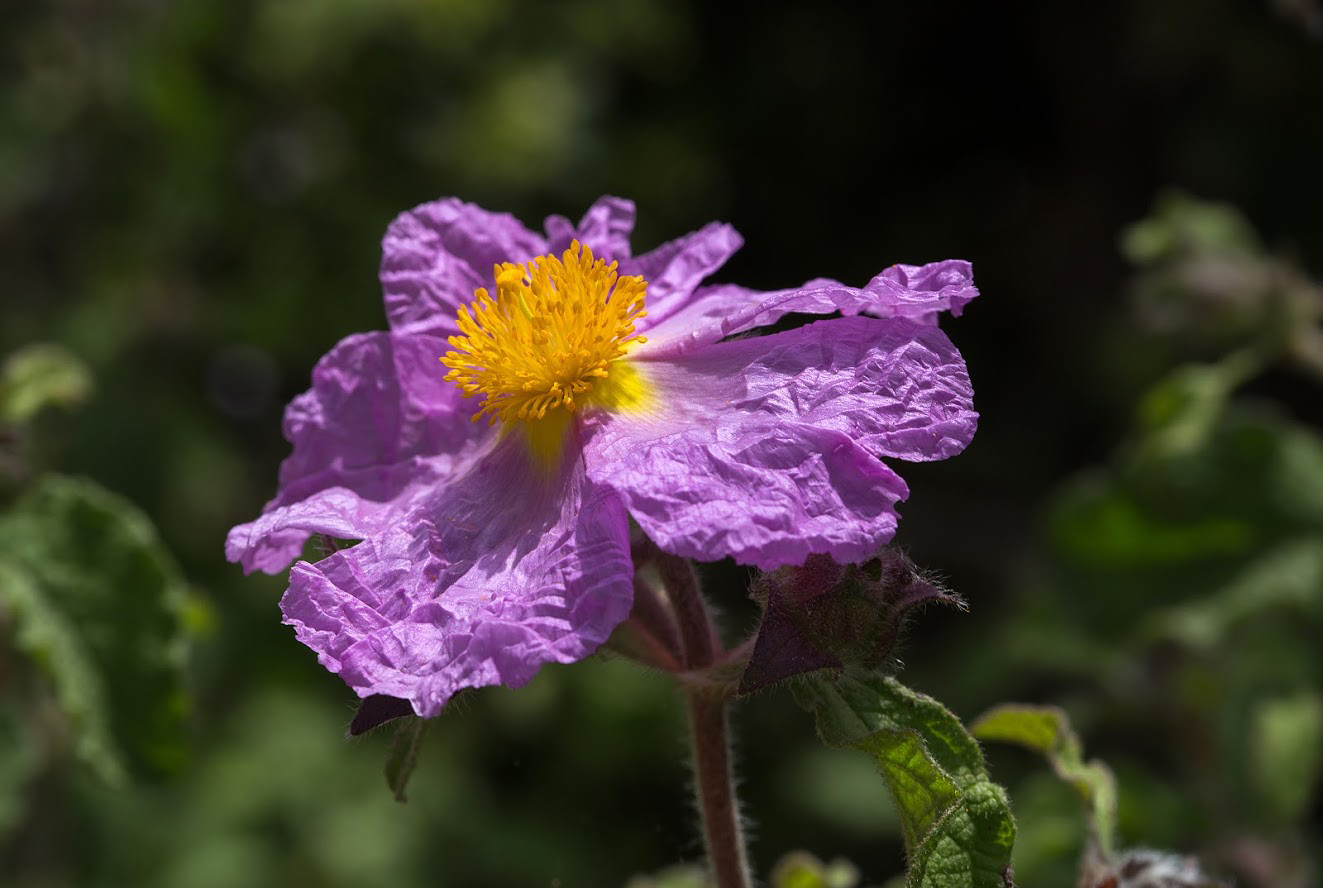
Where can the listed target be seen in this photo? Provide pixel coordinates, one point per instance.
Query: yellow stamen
(548, 337)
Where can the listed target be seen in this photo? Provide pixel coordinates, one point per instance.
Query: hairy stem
(708, 730)
(698, 637)
(715, 788)
(653, 610)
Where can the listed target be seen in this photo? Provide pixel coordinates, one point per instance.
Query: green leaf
(1178, 415)
(403, 757)
(98, 604)
(1046, 730)
(52, 640)
(1287, 739)
(1156, 530)
(956, 822)
(1180, 224)
(41, 375)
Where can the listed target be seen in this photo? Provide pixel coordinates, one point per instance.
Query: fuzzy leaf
(1046, 730)
(98, 604)
(956, 822)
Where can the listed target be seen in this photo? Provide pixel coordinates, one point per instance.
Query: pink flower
(605, 389)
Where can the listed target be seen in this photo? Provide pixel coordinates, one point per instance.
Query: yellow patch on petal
(546, 438)
(623, 389)
(549, 343)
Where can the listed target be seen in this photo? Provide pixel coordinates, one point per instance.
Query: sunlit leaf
(956, 822)
(1046, 730)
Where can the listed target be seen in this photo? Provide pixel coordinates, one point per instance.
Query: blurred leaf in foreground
(956, 822)
(97, 603)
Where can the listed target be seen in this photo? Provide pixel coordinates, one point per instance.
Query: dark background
(192, 196)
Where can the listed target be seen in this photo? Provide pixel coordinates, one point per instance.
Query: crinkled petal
(379, 426)
(605, 229)
(764, 492)
(918, 293)
(434, 256)
(675, 269)
(764, 448)
(922, 291)
(896, 387)
(508, 568)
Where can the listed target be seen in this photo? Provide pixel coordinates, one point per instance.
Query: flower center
(548, 337)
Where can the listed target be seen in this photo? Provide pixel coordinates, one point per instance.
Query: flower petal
(675, 269)
(761, 448)
(916, 292)
(508, 568)
(896, 387)
(605, 229)
(922, 291)
(434, 256)
(378, 427)
(767, 493)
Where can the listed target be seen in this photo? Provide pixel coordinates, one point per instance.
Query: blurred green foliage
(191, 201)
(1182, 585)
(95, 602)
(38, 376)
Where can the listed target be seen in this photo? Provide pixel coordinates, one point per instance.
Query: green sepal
(403, 756)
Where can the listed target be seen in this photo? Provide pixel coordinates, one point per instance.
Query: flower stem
(698, 637)
(708, 729)
(715, 789)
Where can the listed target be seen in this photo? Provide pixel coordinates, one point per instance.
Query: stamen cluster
(546, 338)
